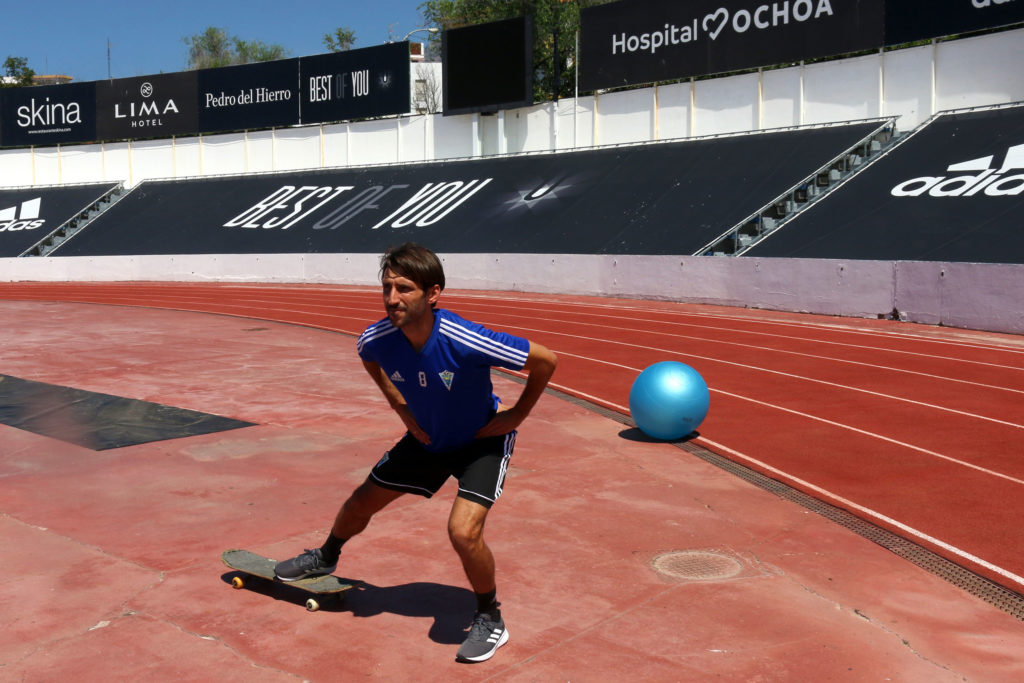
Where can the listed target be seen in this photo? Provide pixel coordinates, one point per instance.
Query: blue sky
(70, 36)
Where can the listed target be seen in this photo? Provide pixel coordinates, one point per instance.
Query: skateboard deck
(251, 564)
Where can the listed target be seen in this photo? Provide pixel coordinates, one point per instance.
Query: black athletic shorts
(480, 468)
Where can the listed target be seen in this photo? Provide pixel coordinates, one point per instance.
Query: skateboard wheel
(312, 605)
(237, 582)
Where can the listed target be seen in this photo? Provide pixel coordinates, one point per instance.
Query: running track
(915, 428)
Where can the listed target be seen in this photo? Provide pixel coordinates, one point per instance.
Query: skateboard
(326, 587)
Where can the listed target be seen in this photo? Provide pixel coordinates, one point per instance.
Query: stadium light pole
(432, 29)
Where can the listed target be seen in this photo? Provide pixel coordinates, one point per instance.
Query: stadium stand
(953, 191)
(662, 198)
(30, 216)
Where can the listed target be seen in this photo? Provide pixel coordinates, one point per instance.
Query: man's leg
(352, 518)
(466, 531)
(361, 506)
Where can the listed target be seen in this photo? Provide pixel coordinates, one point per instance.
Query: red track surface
(917, 429)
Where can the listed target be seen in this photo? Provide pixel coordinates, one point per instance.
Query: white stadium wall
(912, 84)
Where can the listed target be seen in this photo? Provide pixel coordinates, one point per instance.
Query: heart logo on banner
(721, 15)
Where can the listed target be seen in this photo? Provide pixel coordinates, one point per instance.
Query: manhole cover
(697, 565)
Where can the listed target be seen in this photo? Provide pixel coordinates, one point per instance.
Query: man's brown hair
(415, 262)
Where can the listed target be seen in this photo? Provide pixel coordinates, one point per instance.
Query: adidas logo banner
(972, 177)
(26, 217)
(951, 192)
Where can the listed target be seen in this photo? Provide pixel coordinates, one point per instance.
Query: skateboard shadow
(450, 607)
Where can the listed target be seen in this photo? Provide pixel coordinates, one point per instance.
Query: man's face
(405, 302)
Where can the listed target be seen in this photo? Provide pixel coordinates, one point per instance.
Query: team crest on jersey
(447, 376)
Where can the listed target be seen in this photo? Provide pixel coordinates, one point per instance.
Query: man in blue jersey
(434, 369)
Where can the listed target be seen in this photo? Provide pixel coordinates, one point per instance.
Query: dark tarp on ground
(864, 220)
(664, 198)
(56, 206)
(99, 421)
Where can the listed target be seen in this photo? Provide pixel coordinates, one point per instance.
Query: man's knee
(466, 526)
(463, 538)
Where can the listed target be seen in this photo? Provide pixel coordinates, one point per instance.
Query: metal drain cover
(697, 565)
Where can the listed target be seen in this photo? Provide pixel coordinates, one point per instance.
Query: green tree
(214, 47)
(16, 69)
(341, 40)
(249, 51)
(550, 18)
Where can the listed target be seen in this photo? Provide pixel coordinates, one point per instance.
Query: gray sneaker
(309, 563)
(485, 637)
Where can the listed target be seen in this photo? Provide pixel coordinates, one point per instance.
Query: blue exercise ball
(669, 400)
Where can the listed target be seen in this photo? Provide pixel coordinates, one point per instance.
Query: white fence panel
(298, 148)
(781, 91)
(491, 132)
(117, 162)
(413, 135)
(336, 145)
(674, 111)
(585, 121)
(908, 86)
(536, 132)
(624, 117)
(842, 91)
(374, 142)
(47, 166)
(152, 159)
(223, 154)
(980, 71)
(17, 168)
(453, 136)
(259, 151)
(188, 160)
(726, 105)
(567, 118)
(81, 164)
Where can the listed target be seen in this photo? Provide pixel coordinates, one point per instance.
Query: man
(434, 369)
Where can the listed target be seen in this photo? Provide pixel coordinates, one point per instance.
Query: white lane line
(931, 356)
(848, 328)
(824, 493)
(783, 374)
(820, 357)
(832, 423)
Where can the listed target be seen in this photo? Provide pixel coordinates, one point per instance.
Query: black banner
(161, 105)
(487, 67)
(670, 198)
(373, 81)
(642, 41)
(262, 95)
(952, 192)
(29, 215)
(48, 115)
(364, 83)
(909, 20)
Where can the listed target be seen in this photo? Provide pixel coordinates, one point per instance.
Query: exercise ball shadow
(637, 434)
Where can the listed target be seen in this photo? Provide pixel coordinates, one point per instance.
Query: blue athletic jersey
(448, 383)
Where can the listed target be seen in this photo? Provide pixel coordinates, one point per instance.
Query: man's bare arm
(540, 366)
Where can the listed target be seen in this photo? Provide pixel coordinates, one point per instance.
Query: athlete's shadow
(450, 607)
